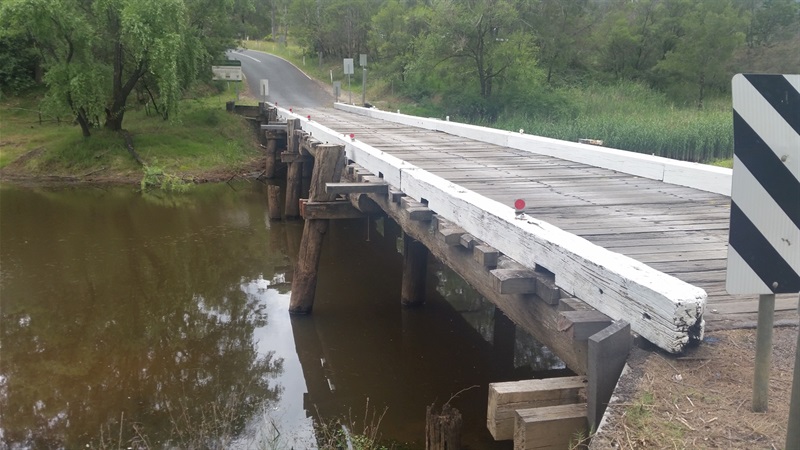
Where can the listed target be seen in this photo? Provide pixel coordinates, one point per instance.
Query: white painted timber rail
(659, 307)
(699, 176)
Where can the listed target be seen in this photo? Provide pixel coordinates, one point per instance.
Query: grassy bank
(201, 141)
(625, 115)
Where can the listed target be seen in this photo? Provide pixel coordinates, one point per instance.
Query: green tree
(628, 39)
(95, 52)
(560, 28)
(392, 36)
(708, 36)
(482, 39)
(19, 64)
(770, 20)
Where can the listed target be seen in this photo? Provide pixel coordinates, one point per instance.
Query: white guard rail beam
(699, 176)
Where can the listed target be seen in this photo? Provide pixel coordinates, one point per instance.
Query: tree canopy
(476, 53)
(96, 52)
(477, 56)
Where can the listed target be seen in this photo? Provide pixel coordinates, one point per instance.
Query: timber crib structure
(578, 298)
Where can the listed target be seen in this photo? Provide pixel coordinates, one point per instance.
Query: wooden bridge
(607, 238)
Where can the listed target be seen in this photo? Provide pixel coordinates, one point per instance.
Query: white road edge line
(246, 56)
(276, 56)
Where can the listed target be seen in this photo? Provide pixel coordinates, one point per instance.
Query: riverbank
(202, 143)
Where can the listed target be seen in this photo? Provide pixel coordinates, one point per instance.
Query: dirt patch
(701, 399)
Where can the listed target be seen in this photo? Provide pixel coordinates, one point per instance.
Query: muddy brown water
(154, 320)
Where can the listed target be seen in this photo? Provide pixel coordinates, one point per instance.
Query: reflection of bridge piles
(364, 345)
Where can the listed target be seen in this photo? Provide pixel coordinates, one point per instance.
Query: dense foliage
(483, 56)
(478, 59)
(95, 53)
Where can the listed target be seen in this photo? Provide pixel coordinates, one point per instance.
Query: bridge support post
(415, 263)
(272, 154)
(294, 176)
(327, 169)
(274, 201)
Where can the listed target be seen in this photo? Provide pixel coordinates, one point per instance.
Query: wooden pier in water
(609, 242)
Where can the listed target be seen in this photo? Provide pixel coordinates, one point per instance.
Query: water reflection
(125, 309)
(166, 318)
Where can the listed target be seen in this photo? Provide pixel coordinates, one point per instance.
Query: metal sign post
(348, 70)
(765, 213)
(793, 430)
(264, 90)
(337, 89)
(363, 63)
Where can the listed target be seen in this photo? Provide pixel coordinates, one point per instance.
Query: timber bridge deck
(677, 230)
(609, 242)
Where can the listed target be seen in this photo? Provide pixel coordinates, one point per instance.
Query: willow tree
(94, 52)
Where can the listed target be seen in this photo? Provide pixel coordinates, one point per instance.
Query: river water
(152, 320)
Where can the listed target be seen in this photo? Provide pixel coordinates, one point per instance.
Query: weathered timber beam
(549, 427)
(396, 195)
(274, 127)
(514, 281)
(365, 204)
(507, 397)
(546, 287)
(362, 173)
(357, 188)
(487, 256)
(448, 232)
(608, 352)
(417, 209)
(421, 214)
(582, 324)
(450, 235)
(528, 312)
(468, 241)
(659, 307)
(566, 303)
(338, 209)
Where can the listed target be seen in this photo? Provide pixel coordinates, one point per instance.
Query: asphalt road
(288, 85)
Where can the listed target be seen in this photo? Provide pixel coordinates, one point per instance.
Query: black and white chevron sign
(764, 242)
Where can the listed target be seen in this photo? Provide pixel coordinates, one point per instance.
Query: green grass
(631, 117)
(201, 137)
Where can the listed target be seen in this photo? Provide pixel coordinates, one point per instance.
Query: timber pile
(442, 429)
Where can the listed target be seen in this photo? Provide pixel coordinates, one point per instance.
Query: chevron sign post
(764, 241)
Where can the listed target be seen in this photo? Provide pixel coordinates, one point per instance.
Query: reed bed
(631, 117)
